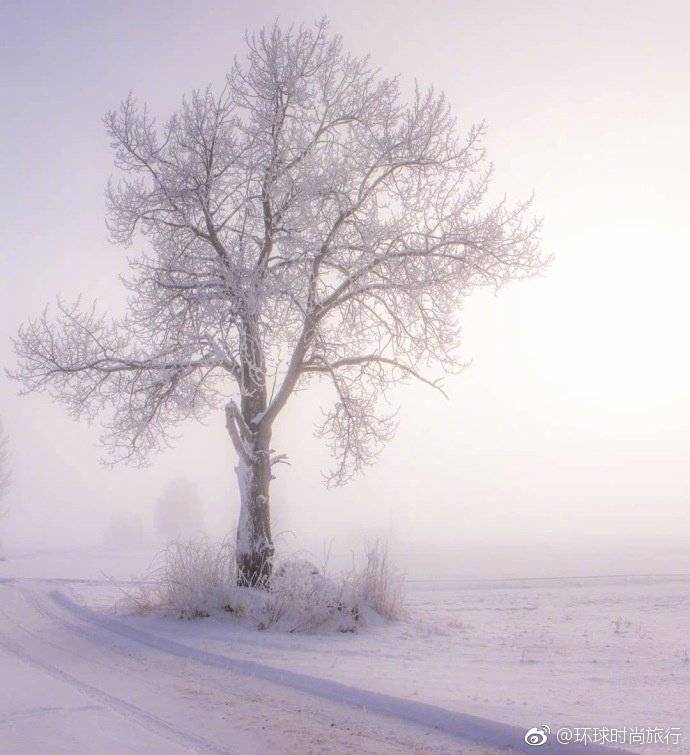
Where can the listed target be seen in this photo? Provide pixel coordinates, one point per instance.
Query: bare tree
(306, 222)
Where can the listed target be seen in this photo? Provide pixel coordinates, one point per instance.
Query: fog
(563, 446)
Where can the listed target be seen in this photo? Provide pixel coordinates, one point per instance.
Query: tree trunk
(251, 436)
(254, 542)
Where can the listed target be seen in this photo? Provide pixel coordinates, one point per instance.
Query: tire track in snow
(55, 615)
(32, 599)
(461, 726)
(130, 712)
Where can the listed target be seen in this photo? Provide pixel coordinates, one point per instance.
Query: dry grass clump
(378, 584)
(197, 578)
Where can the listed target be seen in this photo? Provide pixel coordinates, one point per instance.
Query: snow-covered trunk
(254, 541)
(251, 435)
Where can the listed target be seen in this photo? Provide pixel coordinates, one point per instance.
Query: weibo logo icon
(537, 735)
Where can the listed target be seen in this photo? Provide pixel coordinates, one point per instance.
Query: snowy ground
(77, 678)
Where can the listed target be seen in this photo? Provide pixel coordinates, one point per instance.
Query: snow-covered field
(78, 678)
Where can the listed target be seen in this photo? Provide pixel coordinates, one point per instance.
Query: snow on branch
(317, 365)
(307, 219)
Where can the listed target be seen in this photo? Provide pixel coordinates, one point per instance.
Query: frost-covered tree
(307, 221)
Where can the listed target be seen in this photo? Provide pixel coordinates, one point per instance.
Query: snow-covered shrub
(196, 578)
(377, 584)
(189, 578)
(301, 599)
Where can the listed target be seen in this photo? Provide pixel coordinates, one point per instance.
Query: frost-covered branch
(317, 365)
(90, 364)
(307, 220)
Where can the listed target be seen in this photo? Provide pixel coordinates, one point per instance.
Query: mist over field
(356, 388)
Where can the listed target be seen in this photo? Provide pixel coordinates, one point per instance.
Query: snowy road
(72, 686)
(76, 681)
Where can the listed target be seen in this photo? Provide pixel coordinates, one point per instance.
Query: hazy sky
(571, 426)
